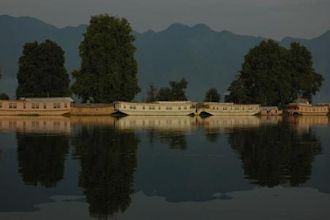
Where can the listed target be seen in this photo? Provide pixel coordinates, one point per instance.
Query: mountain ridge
(205, 57)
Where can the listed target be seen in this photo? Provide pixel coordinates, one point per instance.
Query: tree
(152, 93)
(176, 91)
(108, 69)
(212, 95)
(41, 71)
(4, 96)
(164, 94)
(274, 75)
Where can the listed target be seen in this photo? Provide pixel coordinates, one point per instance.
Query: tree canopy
(212, 95)
(274, 75)
(41, 71)
(108, 69)
(175, 92)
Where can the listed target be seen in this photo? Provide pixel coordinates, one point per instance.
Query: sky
(267, 18)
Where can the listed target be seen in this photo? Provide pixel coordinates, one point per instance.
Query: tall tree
(274, 75)
(212, 95)
(41, 71)
(108, 69)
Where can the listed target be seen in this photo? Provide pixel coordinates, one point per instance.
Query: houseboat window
(12, 105)
(179, 108)
(185, 108)
(168, 108)
(224, 108)
(65, 105)
(0, 104)
(152, 107)
(57, 105)
(159, 107)
(143, 107)
(24, 105)
(45, 106)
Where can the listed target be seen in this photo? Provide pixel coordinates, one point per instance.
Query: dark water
(164, 168)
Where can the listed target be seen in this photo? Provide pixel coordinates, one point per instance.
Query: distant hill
(206, 58)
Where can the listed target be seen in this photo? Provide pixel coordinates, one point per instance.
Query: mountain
(206, 58)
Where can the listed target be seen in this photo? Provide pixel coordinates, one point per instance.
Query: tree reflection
(174, 139)
(41, 158)
(273, 155)
(108, 162)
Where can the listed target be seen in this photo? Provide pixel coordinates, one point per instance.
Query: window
(168, 108)
(12, 105)
(0, 104)
(45, 106)
(65, 105)
(24, 105)
(132, 107)
(57, 105)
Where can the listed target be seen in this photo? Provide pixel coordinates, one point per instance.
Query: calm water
(164, 168)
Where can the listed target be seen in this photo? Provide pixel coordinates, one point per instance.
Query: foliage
(41, 71)
(152, 93)
(108, 66)
(274, 75)
(4, 96)
(212, 95)
(176, 91)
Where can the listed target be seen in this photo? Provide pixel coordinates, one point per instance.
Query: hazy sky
(268, 18)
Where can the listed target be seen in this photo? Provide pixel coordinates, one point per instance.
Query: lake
(164, 168)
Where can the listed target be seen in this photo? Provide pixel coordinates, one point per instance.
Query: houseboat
(270, 111)
(225, 109)
(303, 107)
(159, 108)
(36, 106)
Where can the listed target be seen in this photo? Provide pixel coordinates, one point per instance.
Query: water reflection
(41, 158)
(108, 161)
(278, 154)
(56, 124)
(164, 123)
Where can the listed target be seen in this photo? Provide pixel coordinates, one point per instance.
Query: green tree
(164, 94)
(41, 71)
(212, 95)
(152, 93)
(274, 75)
(176, 91)
(108, 69)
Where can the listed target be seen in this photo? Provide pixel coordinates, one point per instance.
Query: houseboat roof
(50, 99)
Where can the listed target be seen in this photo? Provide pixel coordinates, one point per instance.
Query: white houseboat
(224, 109)
(36, 106)
(303, 107)
(160, 108)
